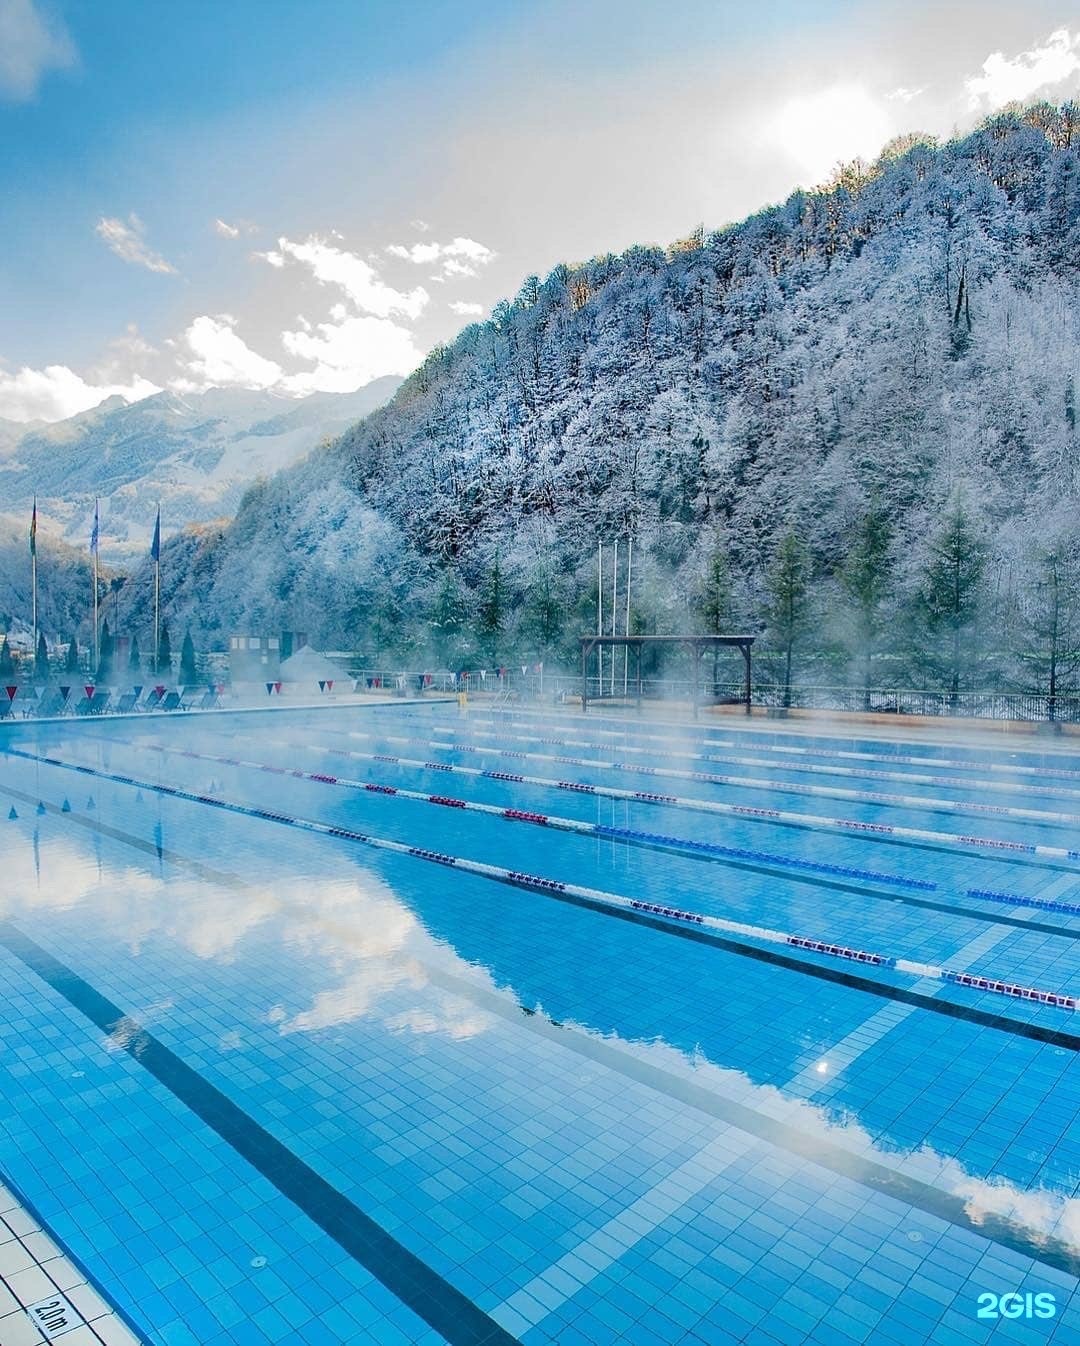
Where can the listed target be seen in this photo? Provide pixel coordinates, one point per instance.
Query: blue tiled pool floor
(270, 1086)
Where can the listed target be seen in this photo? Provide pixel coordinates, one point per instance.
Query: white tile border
(34, 1270)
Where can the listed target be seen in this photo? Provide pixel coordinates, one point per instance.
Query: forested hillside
(849, 422)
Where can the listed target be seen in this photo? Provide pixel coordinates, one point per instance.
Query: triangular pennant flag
(65, 807)
(269, 689)
(277, 688)
(138, 691)
(329, 684)
(11, 692)
(219, 688)
(65, 692)
(524, 669)
(483, 675)
(322, 684)
(90, 802)
(210, 689)
(160, 689)
(89, 690)
(40, 808)
(12, 813)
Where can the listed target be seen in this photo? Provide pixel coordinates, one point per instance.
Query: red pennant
(329, 684)
(89, 690)
(160, 689)
(11, 692)
(277, 688)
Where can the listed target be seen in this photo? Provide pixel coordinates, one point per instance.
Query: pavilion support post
(639, 693)
(584, 678)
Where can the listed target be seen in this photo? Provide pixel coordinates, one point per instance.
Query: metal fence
(549, 687)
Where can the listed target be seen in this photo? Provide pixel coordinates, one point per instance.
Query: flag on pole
(33, 530)
(155, 546)
(94, 534)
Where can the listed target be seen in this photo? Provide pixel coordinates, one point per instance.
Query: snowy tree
(952, 597)
(865, 579)
(788, 612)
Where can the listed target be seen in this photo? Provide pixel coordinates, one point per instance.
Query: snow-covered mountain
(195, 453)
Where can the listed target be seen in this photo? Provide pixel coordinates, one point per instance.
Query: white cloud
(227, 230)
(421, 226)
(30, 44)
(823, 129)
(902, 95)
(129, 243)
(459, 257)
(56, 392)
(348, 352)
(465, 309)
(1004, 80)
(220, 357)
(359, 280)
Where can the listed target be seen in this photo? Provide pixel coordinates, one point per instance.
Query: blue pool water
(271, 1085)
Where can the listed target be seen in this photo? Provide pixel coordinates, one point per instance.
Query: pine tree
(492, 612)
(7, 663)
(865, 581)
(71, 663)
(1053, 622)
(952, 596)
(164, 652)
(41, 663)
(712, 602)
(188, 675)
(107, 650)
(135, 660)
(787, 586)
(448, 619)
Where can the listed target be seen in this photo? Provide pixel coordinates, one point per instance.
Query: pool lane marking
(689, 731)
(692, 849)
(918, 802)
(417, 1285)
(604, 830)
(903, 1187)
(914, 1192)
(662, 917)
(892, 832)
(732, 759)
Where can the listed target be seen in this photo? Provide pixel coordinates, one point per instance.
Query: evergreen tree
(41, 662)
(107, 649)
(787, 614)
(542, 621)
(164, 664)
(135, 660)
(188, 675)
(448, 617)
(865, 580)
(712, 601)
(1052, 652)
(951, 599)
(71, 663)
(7, 663)
(492, 613)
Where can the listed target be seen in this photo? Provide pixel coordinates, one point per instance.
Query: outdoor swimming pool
(274, 1070)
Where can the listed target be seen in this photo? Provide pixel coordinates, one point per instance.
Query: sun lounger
(171, 701)
(125, 704)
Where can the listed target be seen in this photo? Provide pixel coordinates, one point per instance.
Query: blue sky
(303, 196)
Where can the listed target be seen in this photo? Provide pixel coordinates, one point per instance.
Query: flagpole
(97, 640)
(600, 617)
(157, 590)
(626, 648)
(614, 612)
(33, 576)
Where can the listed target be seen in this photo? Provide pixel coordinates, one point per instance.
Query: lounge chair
(208, 701)
(99, 701)
(125, 704)
(51, 703)
(153, 699)
(171, 701)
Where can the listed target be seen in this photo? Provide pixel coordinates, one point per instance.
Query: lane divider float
(786, 817)
(551, 820)
(596, 897)
(688, 731)
(731, 759)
